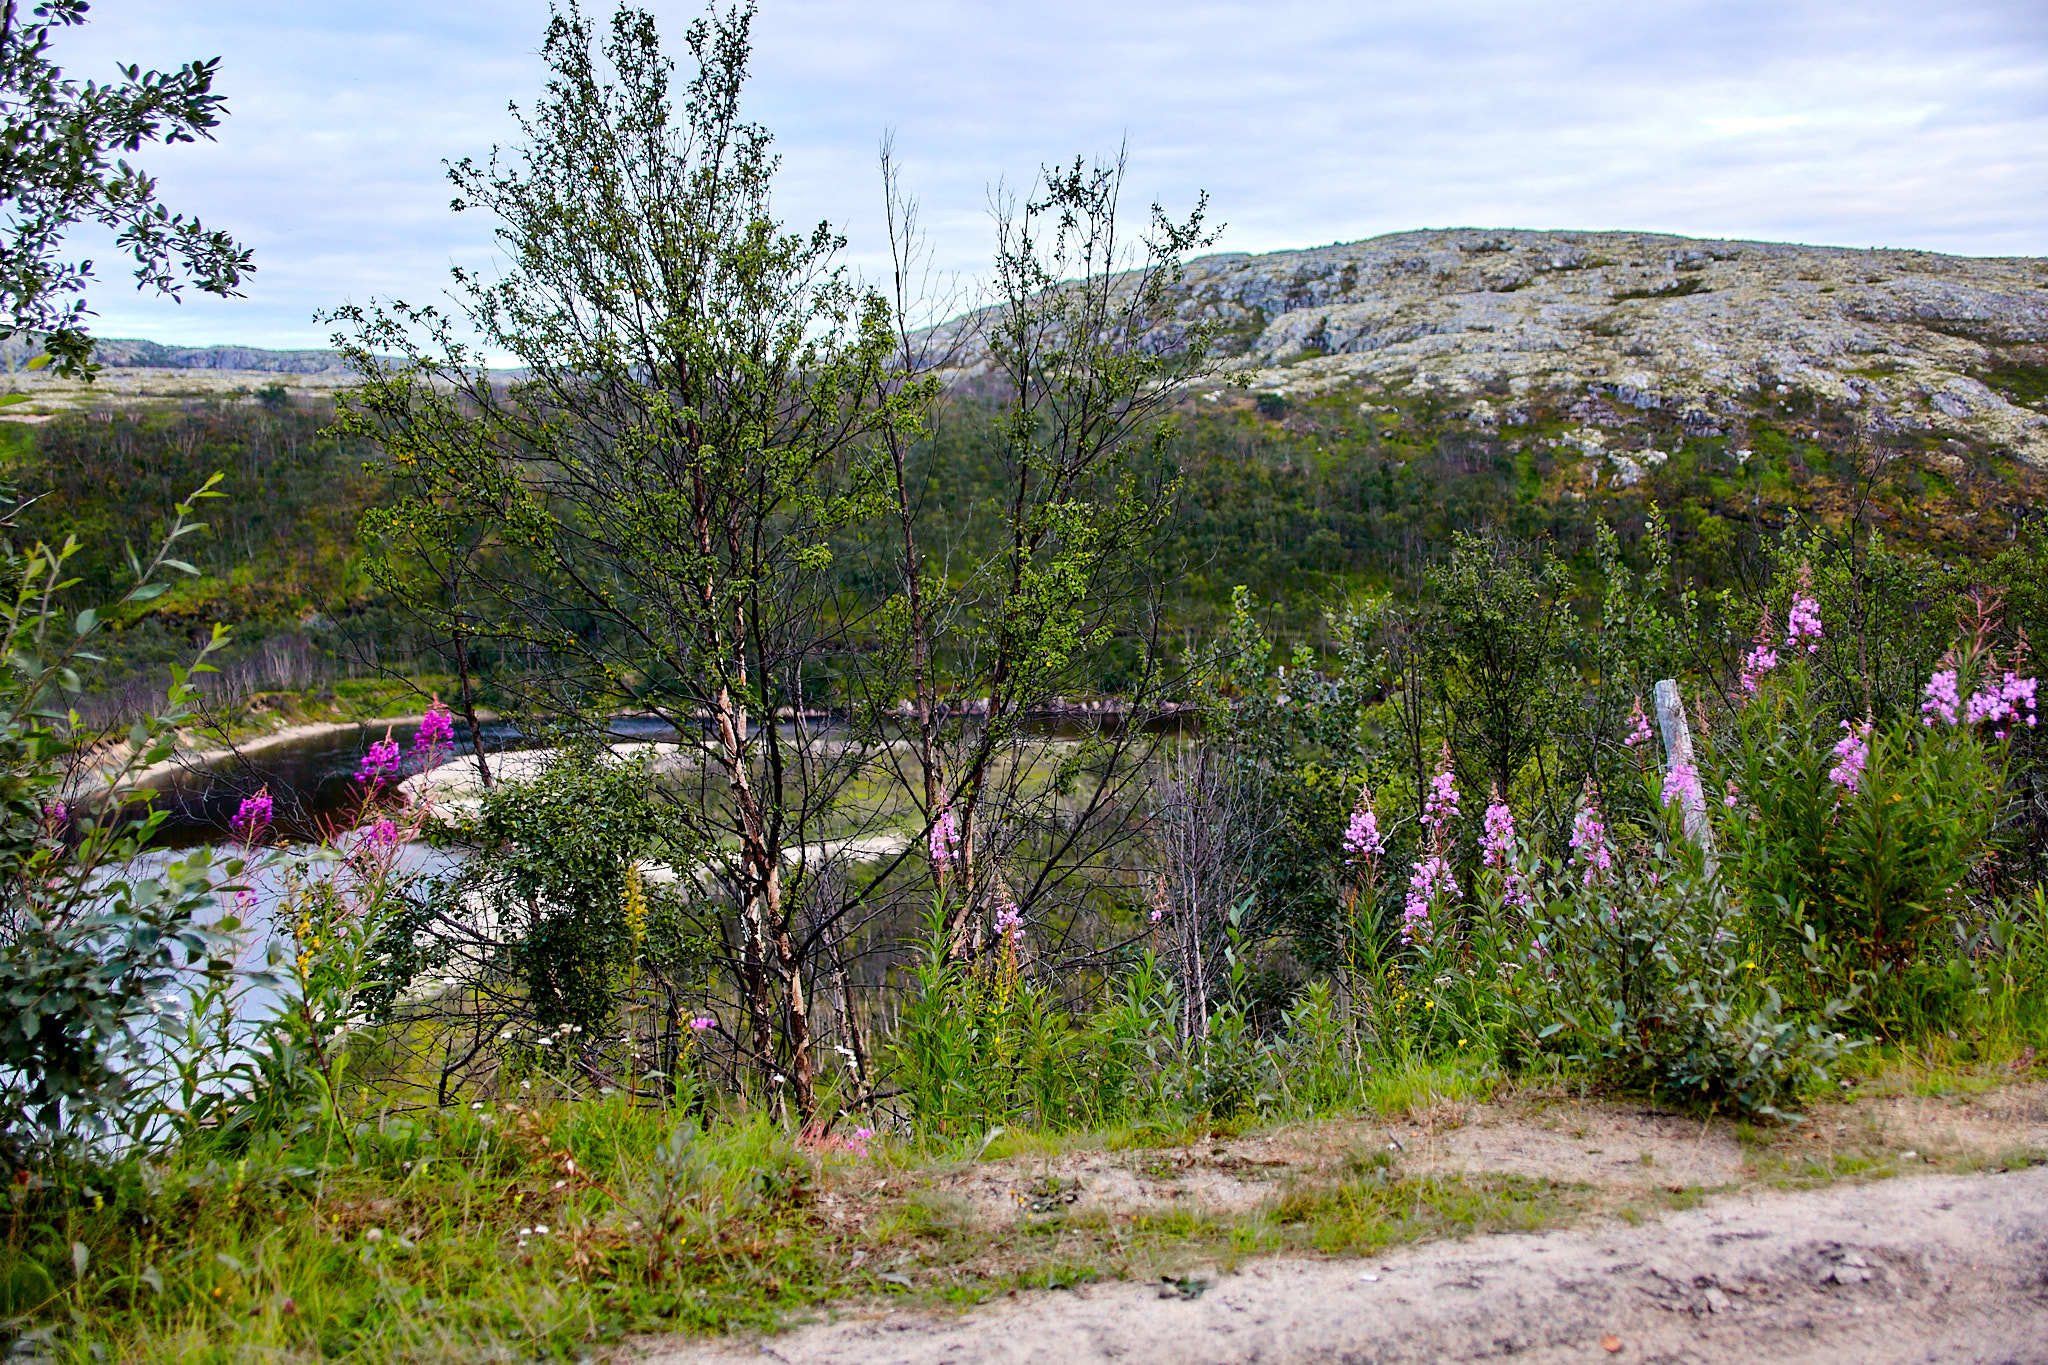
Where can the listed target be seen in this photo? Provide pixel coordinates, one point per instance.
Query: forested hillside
(1306, 500)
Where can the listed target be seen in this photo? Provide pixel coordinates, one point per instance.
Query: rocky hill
(1907, 340)
(1913, 345)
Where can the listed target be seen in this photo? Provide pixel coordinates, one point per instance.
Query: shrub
(92, 946)
(1648, 978)
(1871, 861)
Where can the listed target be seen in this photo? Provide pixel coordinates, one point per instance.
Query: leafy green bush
(551, 869)
(1647, 977)
(1871, 867)
(93, 946)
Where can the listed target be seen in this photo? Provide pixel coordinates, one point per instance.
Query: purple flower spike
(1682, 786)
(1440, 805)
(1852, 756)
(1942, 700)
(1362, 839)
(945, 840)
(1802, 624)
(1589, 842)
(382, 758)
(1639, 726)
(253, 816)
(436, 729)
(1499, 837)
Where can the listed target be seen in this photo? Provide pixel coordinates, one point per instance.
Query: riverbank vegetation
(1493, 798)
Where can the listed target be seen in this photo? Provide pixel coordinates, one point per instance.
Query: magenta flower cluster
(1852, 756)
(1589, 844)
(1010, 924)
(383, 759)
(1362, 838)
(2003, 704)
(1802, 624)
(437, 728)
(1431, 879)
(1499, 838)
(1440, 805)
(944, 841)
(1497, 850)
(1639, 727)
(1682, 787)
(1760, 660)
(253, 816)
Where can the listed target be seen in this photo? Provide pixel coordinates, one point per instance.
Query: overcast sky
(1846, 122)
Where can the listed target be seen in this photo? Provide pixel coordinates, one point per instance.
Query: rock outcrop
(1909, 340)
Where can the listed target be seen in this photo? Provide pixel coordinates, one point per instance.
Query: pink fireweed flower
(1760, 660)
(2004, 704)
(1734, 796)
(1802, 623)
(1009, 923)
(702, 1022)
(1440, 805)
(2020, 694)
(381, 835)
(1499, 836)
(436, 729)
(1496, 850)
(1852, 756)
(1639, 726)
(1589, 843)
(383, 758)
(945, 840)
(854, 1143)
(1362, 839)
(1682, 787)
(1942, 700)
(252, 816)
(1432, 880)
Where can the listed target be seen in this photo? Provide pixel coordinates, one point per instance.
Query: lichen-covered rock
(1904, 339)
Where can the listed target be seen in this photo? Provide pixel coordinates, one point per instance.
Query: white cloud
(1859, 123)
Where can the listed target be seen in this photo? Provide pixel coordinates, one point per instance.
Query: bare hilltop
(1909, 342)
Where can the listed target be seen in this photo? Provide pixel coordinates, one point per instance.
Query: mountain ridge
(1916, 345)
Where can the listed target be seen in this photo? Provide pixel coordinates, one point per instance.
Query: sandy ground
(1922, 1267)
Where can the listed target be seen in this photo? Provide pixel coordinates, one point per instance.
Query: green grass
(403, 1237)
(420, 1237)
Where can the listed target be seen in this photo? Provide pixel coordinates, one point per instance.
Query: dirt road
(1890, 1227)
(1930, 1268)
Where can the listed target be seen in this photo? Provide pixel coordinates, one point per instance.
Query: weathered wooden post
(1677, 750)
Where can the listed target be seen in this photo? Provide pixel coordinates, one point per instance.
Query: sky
(1849, 122)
